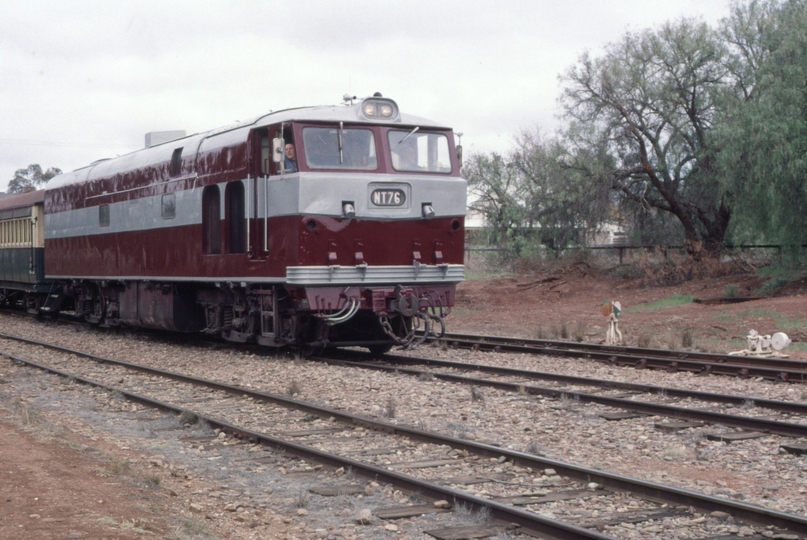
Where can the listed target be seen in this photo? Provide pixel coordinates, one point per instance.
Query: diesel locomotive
(310, 227)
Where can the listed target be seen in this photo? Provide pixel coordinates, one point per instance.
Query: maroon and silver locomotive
(310, 227)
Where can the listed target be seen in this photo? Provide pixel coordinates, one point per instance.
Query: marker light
(348, 209)
(428, 210)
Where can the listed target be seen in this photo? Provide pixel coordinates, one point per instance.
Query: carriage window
(103, 215)
(211, 220)
(169, 206)
(332, 148)
(419, 152)
(16, 232)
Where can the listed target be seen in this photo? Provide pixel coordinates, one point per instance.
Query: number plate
(388, 197)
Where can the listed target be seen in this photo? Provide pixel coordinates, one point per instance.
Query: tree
(652, 99)
(495, 195)
(537, 194)
(558, 180)
(31, 178)
(764, 159)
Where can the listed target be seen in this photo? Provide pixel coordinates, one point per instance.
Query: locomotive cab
(362, 188)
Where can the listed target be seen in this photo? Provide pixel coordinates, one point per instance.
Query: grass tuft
(467, 514)
(188, 417)
(675, 300)
(389, 409)
(294, 388)
(535, 449)
(730, 291)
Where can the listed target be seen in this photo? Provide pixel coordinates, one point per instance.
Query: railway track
(625, 399)
(439, 467)
(770, 368)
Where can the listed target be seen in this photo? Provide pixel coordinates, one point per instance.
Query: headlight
(376, 108)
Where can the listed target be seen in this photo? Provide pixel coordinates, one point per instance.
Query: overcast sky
(83, 80)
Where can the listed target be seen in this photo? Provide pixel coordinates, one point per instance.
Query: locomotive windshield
(417, 151)
(339, 148)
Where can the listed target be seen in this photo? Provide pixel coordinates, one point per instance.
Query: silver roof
(232, 134)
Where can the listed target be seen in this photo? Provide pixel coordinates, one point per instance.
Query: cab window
(415, 151)
(335, 148)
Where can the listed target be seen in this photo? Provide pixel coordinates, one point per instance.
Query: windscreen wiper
(407, 136)
(341, 127)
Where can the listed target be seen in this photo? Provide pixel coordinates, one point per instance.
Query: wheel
(32, 303)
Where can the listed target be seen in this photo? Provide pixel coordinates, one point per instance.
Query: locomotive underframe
(309, 317)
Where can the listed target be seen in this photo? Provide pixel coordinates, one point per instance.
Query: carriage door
(211, 220)
(235, 216)
(260, 160)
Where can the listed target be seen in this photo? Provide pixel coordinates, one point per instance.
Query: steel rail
(785, 429)
(705, 363)
(781, 406)
(784, 363)
(642, 488)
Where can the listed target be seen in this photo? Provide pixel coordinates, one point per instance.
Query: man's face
(290, 153)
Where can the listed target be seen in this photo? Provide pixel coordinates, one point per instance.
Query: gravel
(756, 471)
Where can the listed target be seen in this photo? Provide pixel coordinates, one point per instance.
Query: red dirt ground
(541, 304)
(53, 490)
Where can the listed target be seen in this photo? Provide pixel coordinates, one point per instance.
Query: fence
(477, 257)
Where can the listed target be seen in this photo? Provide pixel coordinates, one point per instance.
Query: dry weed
(678, 268)
(687, 340)
(580, 332)
(294, 388)
(389, 409)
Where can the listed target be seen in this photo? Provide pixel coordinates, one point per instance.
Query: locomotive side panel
(141, 223)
